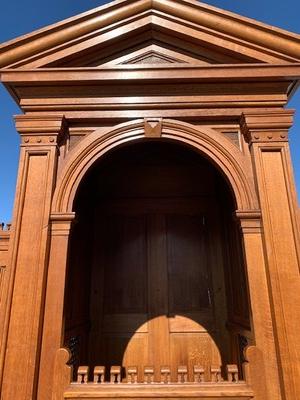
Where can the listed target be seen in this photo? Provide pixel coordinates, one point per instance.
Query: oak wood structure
(154, 248)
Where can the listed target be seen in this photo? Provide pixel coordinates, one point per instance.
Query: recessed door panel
(157, 307)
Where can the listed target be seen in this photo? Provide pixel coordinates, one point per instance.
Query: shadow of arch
(183, 352)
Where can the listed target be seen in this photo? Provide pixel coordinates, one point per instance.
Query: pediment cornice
(81, 34)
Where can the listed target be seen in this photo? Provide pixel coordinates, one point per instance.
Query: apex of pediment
(215, 35)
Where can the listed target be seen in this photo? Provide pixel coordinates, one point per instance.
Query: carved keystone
(198, 374)
(232, 373)
(115, 374)
(148, 375)
(132, 374)
(165, 373)
(153, 127)
(182, 374)
(215, 372)
(99, 373)
(82, 374)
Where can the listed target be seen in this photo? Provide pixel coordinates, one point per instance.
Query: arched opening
(155, 270)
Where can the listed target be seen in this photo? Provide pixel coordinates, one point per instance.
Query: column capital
(41, 130)
(249, 220)
(61, 223)
(266, 126)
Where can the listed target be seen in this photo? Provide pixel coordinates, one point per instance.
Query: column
(29, 252)
(262, 326)
(267, 135)
(53, 320)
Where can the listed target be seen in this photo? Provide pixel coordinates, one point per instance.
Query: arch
(231, 162)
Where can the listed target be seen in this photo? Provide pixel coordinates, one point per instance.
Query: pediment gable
(151, 32)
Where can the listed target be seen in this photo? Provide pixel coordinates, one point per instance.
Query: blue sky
(19, 17)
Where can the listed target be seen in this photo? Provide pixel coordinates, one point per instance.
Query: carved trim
(249, 220)
(219, 150)
(153, 127)
(41, 130)
(266, 127)
(61, 223)
(283, 44)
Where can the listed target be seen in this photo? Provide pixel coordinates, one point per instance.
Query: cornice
(277, 40)
(167, 72)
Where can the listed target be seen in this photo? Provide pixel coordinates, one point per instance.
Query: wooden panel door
(119, 303)
(190, 304)
(154, 306)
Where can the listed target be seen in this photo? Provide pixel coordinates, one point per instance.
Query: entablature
(151, 87)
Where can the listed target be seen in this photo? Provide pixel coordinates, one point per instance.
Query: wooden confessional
(154, 247)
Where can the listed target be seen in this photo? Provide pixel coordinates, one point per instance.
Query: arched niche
(131, 215)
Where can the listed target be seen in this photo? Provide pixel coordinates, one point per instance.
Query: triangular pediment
(179, 31)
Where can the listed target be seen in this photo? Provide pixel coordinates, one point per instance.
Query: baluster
(198, 374)
(165, 373)
(99, 374)
(115, 374)
(232, 373)
(215, 373)
(148, 375)
(82, 374)
(182, 374)
(132, 374)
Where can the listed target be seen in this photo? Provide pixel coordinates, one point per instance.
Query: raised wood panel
(193, 349)
(192, 322)
(125, 323)
(189, 283)
(124, 258)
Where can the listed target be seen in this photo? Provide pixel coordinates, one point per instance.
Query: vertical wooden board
(159, 346)
(282, 255)
(193, 349)
(25, 318)
(136, 353)
(124, 247)
(189, 282)
(261, 311)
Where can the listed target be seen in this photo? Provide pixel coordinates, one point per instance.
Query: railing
(161, 383)
(83, 372)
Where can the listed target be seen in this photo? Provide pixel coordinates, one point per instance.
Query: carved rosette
(41, 130)
(266, 127)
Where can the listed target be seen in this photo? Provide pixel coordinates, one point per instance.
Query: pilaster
(53, 318)
(261, 318)
(40, 136)
(267, 136)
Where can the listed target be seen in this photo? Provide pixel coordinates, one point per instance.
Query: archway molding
(223, 153)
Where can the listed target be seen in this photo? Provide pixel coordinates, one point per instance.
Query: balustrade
(198, 376)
